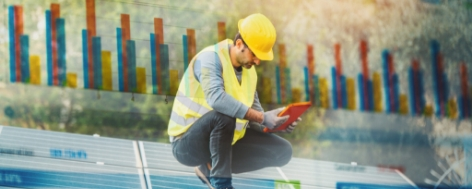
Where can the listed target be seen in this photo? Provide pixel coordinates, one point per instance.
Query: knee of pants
(226, 122)
(285, 154)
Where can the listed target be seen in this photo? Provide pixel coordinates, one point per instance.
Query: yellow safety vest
(190, 103)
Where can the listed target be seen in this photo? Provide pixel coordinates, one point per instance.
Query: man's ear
(239, 44)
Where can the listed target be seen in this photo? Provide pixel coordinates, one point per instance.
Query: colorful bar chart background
(385, 77)
(94, 49)
(148, 53)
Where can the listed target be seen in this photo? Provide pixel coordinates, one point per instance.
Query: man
(217, 120)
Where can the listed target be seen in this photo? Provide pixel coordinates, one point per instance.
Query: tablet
(295, 110)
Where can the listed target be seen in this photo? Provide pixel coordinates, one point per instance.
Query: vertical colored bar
(288, 86)
(35, 70)
(386, 78)
(159, 30)
(461, 107)
(469, 101)
(91, 74)
(370, 91)
(307, 85)
(49, 47)
(164, 54)
(365, 70)
(351, 93)
(296, 94)
(192, 44)
(360, 81)
(316, 97)
(25, 76)
(84, 58)
(334, 86)
(337, 57)
(377, 92)
(153, 63)
(174, 82)
(453, 109)
(468, 106)
(91, 21)
(282, 66)
(141, 79)
(396, 92)
(55, 13)
(364, 51)
(428, 110)
(311, 60)
(324, 94)
(445, 88)
(421, 92)
(91, 32)
(343, 91)
(185, 51)
(339, 72)
(18, 33)
(131, 54)
(445, 94)
(411, 88)
(416, 88)
(277, 80)
(126, 34)
(463, 102)
(221, 31)
(11, 42)
(442, 82)
(267, 91)
(436, 87)
(97, 63)
(391, 84)
(71, 80)
(159, 39)
(61, 51)
(403, 101)
(106, 71)
(370, 95)
(119, 48)
(464, 79)
(311, 70)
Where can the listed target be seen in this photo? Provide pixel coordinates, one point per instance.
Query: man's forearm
(254, 115)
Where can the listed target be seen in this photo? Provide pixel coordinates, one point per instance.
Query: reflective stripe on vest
(191, 104)
(182, 121)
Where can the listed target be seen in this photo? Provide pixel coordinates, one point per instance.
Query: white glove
(272, 121)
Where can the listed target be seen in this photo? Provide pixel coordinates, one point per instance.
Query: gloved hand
(291, 127)
(271, 120)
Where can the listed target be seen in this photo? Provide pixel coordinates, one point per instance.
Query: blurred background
(388, 79)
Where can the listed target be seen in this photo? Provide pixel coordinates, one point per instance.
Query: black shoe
(203, 173)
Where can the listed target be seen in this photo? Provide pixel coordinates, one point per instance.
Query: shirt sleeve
(209, 72)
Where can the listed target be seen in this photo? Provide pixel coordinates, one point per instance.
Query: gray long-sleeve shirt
(209, 72)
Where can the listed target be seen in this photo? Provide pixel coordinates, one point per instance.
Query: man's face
(246, 58)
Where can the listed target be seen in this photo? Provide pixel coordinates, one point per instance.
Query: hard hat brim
(264, 55)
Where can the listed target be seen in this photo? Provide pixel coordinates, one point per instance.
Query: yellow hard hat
(259, 34)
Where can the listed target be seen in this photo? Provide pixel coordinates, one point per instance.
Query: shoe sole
(202, 177)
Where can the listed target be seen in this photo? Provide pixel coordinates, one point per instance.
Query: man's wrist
(254, 115)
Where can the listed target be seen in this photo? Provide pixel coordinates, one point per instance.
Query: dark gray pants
(209, 141)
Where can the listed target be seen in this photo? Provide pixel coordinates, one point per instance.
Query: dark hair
(238, 36)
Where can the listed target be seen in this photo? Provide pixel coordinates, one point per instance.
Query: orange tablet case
(295, 110)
